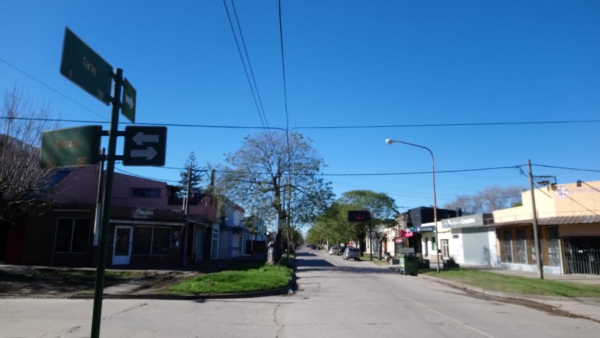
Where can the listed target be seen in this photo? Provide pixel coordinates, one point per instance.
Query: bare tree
(22, 122)
(487, 200)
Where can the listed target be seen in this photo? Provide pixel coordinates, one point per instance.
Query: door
(122, 245)
(198, 241)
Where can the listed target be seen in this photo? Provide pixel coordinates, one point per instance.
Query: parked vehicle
(351, 253)
(333, 250)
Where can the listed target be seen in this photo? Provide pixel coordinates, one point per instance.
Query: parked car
(351, 253)
(333, 250)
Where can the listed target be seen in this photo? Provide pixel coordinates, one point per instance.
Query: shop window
(142, 240)
(161, 240)
(72, 235)
(506, 255)
(552, 247)
(521, 247)
(148, 240)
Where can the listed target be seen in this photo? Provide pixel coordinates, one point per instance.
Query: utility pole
(187, 217)
(536, 237)
(370, 239)
(289, 215)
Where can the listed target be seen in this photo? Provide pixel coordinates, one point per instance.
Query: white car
(333, 250)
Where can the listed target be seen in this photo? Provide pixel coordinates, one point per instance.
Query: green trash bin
(409, 265)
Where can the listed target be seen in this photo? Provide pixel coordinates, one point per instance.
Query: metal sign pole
(105, 224)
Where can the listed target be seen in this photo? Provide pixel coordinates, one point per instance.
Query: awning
(403, 234)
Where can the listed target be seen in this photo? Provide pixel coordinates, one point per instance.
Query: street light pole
(437, 243)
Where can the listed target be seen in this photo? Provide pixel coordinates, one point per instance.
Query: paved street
(335, 299)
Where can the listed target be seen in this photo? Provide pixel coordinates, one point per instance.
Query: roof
(582, 219)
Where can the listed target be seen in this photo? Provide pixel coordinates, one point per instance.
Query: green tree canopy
(333, 225)
(196, 175)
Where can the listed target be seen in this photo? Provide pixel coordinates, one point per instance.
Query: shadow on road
(305, 254)
(302, 263)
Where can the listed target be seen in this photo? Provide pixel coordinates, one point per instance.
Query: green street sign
(145, 146)
(85, 68)
(70, 147)
(129, 95)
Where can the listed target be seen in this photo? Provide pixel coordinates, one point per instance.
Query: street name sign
(129, 97)
(359, 216)
(87, 69)
(145, 146)
(70, 147)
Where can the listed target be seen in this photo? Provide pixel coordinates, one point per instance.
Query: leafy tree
(334, 224)
(196, 177)
(487, 200)
(21, 178)
(270, 169)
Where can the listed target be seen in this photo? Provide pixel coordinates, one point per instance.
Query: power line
(519, 167)
(144, 124)
(471, 124)
(474, 124)
(287, 117)
(566, 168)
(255, 95)
(52, 89)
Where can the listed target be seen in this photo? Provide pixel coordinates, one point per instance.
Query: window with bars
(553, 247)
(72, 235)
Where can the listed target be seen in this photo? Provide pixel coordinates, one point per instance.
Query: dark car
(351, 253)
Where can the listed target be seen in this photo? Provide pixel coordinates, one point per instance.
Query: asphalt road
(335, 298)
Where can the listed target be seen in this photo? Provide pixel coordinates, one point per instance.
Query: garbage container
(409, 265)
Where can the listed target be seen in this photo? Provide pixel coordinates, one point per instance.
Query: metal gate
(582, 255)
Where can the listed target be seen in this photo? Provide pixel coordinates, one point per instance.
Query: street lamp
(437, 243)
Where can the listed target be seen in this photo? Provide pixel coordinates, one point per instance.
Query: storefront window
(553, 247)
(506, 246)
(521, 248)
(161, 240)
(148, 240)
(72, 235)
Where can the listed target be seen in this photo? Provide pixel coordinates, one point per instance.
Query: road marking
(443, 315)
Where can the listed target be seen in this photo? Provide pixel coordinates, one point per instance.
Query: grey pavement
(335, 298)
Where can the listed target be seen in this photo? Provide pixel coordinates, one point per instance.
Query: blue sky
(347, 63)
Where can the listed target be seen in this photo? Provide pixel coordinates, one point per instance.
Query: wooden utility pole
(536, 237)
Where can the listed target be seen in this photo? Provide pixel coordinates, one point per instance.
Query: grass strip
(515, 284)
(237, 279)
(367, 257)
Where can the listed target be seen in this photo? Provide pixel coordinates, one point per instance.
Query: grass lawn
(367, 257)
(515, 284)
(243, 277)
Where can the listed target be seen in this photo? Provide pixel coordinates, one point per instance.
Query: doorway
(122, 245)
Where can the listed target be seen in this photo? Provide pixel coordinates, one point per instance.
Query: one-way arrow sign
(149, 153)
(140, 138)
(129, 97)
(145, 146)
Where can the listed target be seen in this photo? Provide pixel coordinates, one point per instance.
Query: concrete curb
(160, 296)
(572, 306)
